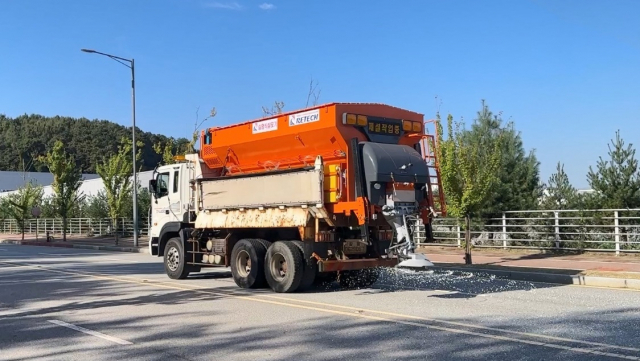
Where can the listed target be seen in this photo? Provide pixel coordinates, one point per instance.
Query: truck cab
(170, 202)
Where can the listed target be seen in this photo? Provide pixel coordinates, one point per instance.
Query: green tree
(67, 179)
(144, 203)
(560, 194)
(22, 202)
(617, 180)
(48, 207)
(4, 208)
(167, 150)
(116, 173)
(172, 147)
(469, 173)
(519, 187)
(24, 138)
(97, 207)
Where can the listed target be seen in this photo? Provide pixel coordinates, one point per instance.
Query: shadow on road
(200, 327)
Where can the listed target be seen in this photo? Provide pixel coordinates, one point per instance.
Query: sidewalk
(591, 269)
(600, 262)
(82, 242)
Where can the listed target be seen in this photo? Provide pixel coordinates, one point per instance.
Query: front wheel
(174, 259)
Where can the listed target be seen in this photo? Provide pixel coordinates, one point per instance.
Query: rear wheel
(247, 263)
(284, 267)
(310, 269)
(174, 259)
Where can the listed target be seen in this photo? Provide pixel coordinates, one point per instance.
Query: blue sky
(566, 72)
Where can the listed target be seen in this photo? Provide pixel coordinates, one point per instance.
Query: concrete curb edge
(79, 246)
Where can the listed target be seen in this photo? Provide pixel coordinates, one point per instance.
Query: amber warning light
(377, 126)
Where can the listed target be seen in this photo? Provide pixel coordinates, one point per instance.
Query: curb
(579, 280)
(79, 246)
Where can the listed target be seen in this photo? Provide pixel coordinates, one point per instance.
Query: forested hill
(24, 138)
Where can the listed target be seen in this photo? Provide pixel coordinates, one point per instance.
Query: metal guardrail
(75, 226)
(608, 230)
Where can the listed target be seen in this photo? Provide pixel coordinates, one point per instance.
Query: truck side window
(163, 184)
(176, 178)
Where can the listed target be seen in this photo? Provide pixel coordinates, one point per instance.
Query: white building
(91, 186)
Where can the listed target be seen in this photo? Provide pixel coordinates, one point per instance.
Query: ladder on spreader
(429, 152)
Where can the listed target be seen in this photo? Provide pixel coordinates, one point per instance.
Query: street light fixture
(133, 135)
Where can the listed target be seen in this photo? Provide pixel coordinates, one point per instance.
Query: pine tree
(560, 193)
(519, 187)
(617, 180)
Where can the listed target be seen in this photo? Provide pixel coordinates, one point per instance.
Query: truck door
(175, 199)
(167, 207)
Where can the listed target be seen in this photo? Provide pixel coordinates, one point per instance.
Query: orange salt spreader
(333, 190)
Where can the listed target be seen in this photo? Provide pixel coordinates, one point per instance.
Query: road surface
(71, 304)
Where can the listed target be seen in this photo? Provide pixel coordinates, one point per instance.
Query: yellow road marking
(260, 298)
(453, 323)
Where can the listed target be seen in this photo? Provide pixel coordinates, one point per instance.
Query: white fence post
(617, 231)
(458, 236)
(504, 230)
(556, 213)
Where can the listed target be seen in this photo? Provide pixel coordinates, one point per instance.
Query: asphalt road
(70, 304)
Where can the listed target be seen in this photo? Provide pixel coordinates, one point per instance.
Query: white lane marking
(83, 254)
(90, 332)
(71, 254)
(119, 260)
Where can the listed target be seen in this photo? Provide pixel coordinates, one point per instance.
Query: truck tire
(359, 279)
(266, 244)
(174, 259)
(284, 267)
(310, 269)
(247, 263)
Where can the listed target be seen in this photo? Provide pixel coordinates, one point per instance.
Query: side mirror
(152, 187)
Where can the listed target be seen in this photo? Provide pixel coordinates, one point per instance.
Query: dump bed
(295, 139)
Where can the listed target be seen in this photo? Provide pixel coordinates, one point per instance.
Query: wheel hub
(243, 260)
(278, 266)
(173, 259)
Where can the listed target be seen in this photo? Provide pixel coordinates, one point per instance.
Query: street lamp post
(133, 135)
